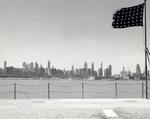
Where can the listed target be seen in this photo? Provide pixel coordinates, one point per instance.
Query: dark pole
(146, 52)
(82, 90)
(14, 90)
(142, 90)
(116, 90)
(48, 91)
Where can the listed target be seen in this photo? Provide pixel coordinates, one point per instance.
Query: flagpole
(146, 53)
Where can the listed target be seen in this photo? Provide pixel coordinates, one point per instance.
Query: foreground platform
(75, 109)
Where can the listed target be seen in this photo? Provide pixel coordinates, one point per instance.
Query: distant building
(72, 73)
(85, 65)
(124, 74)
(48, 65)
(41, 71)
(1, 72)
(13, 72)
(31, 67)
(48, 70)
(24, 65)
(36, 69)
(108, 71)
(138, 71)
(92, 70)
(85, 71)
(5, 64)
(100, 71)
(95, 74)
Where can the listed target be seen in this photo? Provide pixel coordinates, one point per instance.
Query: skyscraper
(85, 65)
(5, 64)
(108, 71)
(92, 69)
(48, 66)
(101, 71)
(5, 71)
(24, 65)
(31, 67)
(124, 74)
(138, 71)
(85, 74)
(36, 69)
(72, 72)
(72, 68)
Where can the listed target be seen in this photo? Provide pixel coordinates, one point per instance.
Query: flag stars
(127, 17)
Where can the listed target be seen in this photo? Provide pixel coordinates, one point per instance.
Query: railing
(83, 91)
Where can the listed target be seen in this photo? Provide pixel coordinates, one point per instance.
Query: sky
(69, 32)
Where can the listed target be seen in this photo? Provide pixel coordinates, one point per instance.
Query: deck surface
(75, 109)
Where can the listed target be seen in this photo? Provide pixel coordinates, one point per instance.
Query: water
(28, 89)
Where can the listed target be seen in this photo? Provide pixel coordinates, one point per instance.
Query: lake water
(26, 89)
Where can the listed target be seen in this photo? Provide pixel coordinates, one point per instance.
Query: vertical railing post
(14, 90)
(116, 90)
(48, 91)
(82, 90)
(142, 90)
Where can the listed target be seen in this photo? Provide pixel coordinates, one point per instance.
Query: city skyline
(85, 65)
(69, 32)
(36, 70)
(97, 66)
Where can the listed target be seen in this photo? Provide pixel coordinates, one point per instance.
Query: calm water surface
(26, 89)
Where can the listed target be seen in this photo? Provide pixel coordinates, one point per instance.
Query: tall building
(93, 69)
(24, 65)
(124, 74)
(85, 65)
(36, 69)
(101, 71)
(31, 67)
(72, 68)
(72, 73)
(5, 64)
(138, 71)
(108, 71)
(48, 66)
(41, 71)
(85, 74)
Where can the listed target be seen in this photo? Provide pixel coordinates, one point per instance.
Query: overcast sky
(69, 32)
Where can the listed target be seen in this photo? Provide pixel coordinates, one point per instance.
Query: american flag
(128, 17)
